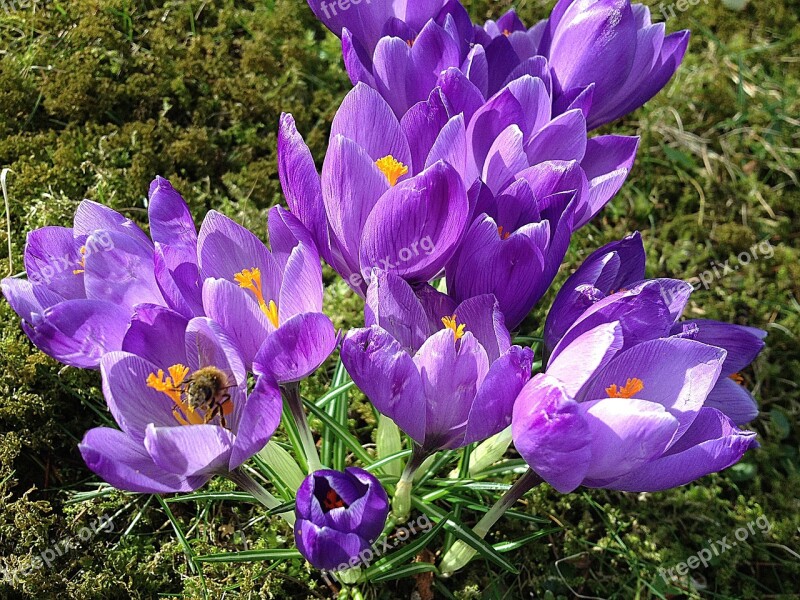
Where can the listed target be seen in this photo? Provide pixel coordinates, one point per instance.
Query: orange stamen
(333, 500)
(737, 378)
(392, 168)
(504, 235)
(451, 323)
(250, 279)
(632, 387)
(81, 262)
(171, 386)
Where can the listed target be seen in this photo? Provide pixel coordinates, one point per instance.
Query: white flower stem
(291, 394)
(248, 484)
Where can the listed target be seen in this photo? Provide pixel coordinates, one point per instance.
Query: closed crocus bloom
(457, 388)
(613, 46)
(182, 407)
(270, 302)
(621, 407)
(370, 209)
(84, 282)
(612, 268)
(514, 249)
(339, 515)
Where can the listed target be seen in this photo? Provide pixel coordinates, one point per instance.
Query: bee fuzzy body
(207, 390)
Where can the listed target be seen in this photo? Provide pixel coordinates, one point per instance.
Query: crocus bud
(339, 516)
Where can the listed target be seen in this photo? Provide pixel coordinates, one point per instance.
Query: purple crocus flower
(621, 407)
(270, 302)
(85, 281)
(369, 209)
(458, 387)
(339, 516)
(612, 278)
(182, 407)
(612, 45)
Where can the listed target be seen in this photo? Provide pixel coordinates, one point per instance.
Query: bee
(206, 389)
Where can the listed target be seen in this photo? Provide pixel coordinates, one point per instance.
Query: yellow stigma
(504, 235)
(171, 386)
(250, 279)
(392, 168)
(81, 262)
(632, 387)
(451, 323)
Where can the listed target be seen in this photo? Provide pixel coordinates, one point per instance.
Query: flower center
(504, 235)
(452, 323)
(392, 168)
(81, 262)
(332, 500)
(250, 279)
(506, 32)
(205, 390)
(632, 387)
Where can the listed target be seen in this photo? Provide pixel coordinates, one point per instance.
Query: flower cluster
(457, 171)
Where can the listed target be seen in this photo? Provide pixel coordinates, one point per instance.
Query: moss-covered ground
(98, 96)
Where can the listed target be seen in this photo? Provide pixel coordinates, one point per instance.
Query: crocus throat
(392, 168)
(632, 387)
(504, 235)
(332, 500)
(81, 262)
(451, 323)
(173, 385)
(250, 279)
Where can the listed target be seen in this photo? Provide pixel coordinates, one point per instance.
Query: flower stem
(291, 394)
(248, 484)
(401, 502)
(461, 553)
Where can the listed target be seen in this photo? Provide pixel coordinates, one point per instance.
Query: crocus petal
(365, 118)
(124, 464)
(387, 375)
(393, 70)
(733, 400)
(742, 343)
(451, 146)
(302, 284)
(484, 319)
(505, 159)
(493, 405)
(625, 434)
(563, 138)
(300, 181)
(461, 94)
(133, 403)
(92, 216)
(178, 278)
(122, 274)
(431, 207)
(157, 334)
(711, 444)
(51, 259)
(297, 348)
(327, 548)
(170, 219)
(393, 305)
(242, 319)
(27, 298)
(260, 418)
(225, 248)
(451, 374)
(421, 125)
(551, 433)
(190, 450)
(579, 361)
(208, 344)
(79, 332)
